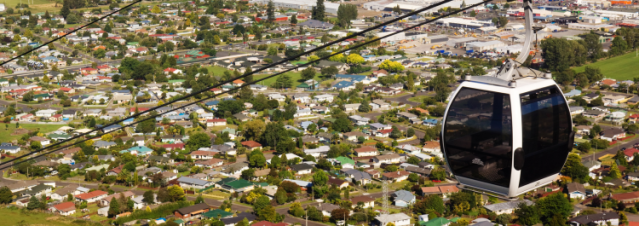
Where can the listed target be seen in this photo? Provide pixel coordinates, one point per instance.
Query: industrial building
(303, 5)
(509, 49)
(619, 15)
(416, 36)
(484, 46)
(437, 39)
(463, 23)
(394, 38)
(579, 26)
(461, 42)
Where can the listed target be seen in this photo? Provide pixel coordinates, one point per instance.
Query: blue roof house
(403, 198)
(111, 128)
(352, 78)
(572, 93)
(430, 122)
(212, 104)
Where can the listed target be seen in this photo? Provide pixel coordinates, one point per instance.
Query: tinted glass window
(546, 129)
(478, 136)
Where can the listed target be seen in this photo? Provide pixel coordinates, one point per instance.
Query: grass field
(217, 71)
(295, 76)
(620, 68)
(18, 217)
(7, 137)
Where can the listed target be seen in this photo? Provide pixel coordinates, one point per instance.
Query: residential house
(507, 207)
(235, 168)
(366, 151)
(91, 197)
(367, 201)
(627, 198)
(576, 190)
(240, 185)
(210, 163)
(403, 198)
(302, 169)
(191, 211)
(187, 182)
(326, 208)
(612, 134)
(397, 219)
(357, 176)
(341, 184)
(64, 209)
(251, 145)
(388, 158)
(604, 218)
(397, 176)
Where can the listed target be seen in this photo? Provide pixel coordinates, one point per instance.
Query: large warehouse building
(296, 4)
(463, 23)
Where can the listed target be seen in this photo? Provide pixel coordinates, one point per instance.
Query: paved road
(74, 68)
(62, 46)
(612, 150)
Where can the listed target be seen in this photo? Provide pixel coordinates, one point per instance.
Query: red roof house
(91, 196)
(64, 209)
(251, 145)
(169, 147)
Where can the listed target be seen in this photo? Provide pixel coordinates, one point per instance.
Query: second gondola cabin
(507, 139)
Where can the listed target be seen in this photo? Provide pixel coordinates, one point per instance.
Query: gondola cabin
(507, 139)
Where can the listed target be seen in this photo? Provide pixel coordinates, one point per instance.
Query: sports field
(620, 68)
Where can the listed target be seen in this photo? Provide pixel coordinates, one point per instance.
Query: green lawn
(620, 68)
(7, 134)
(14, 3)
(18, 217)
(295, 76)
(217, 71)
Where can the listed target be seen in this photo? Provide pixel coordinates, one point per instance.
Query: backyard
(621, 68)
(11, 133)
(18, 217)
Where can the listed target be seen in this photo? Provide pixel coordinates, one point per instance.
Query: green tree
(260, 204)
(555, 204)
(199, 140)
(176, 193)
(6, 196)
(354, 58)
(271, 51)
(156, 9)
(342, 124)
(364, 106)
(308, 73)
(318, 11)
(114, 207)
(270, 12)
(148, 197)
(257, 159)
(320, 178)
(33, 203)
(503, 219)
(527, 215)
(574, 169)
(614, 173)
(329, 72)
